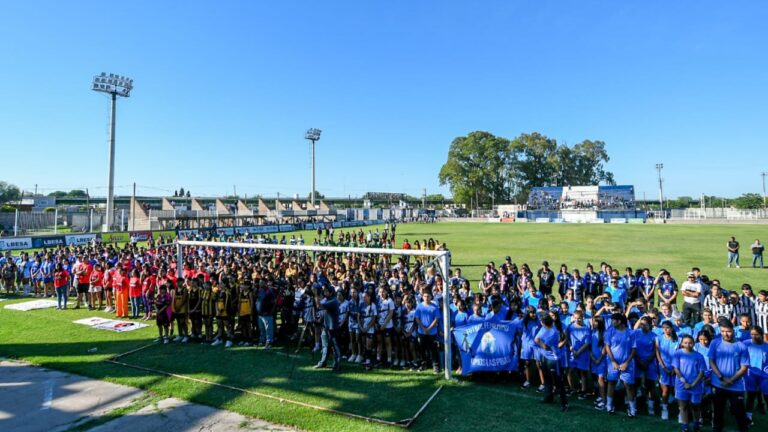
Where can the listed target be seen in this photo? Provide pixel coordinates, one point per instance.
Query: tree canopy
(9, 192)
(482, 167)
(74, 193)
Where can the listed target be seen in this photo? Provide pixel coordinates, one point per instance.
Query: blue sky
(225, 90)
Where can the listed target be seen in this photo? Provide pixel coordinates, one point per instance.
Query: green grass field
(49, 338)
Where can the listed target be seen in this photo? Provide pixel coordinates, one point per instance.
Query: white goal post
(442, 258)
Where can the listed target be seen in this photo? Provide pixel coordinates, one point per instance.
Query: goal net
(379, 260)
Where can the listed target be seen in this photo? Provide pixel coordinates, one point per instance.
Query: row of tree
(482, 167)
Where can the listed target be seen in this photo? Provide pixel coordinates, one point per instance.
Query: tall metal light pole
(113, 85)
(313, 135)
(763, 174)
(659, 167)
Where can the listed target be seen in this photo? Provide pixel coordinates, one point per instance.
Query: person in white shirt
(691, 290)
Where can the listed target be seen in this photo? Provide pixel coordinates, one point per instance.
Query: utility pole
(659, 167)
(133, 210)
(235, 189)
(763, 174)
(763, 186)
(424, 199)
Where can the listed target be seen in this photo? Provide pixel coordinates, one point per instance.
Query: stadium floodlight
(312, 135)
(113, 85)
(659, 167)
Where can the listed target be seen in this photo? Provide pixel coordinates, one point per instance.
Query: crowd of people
(603, 334)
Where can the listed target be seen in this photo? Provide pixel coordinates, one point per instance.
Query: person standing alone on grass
(757, 253)
(733, 252)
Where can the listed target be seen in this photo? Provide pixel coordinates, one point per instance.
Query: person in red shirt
(120, 283)
(94, 293)
(83, 277)
(106, 285)
(60, 284)
(134, 292)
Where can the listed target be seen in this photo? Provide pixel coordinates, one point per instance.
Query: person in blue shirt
(576, 283)
(591, 281)
(615, 293)
(562, 280)
(681, 327)
(462, 317)
(578, 333)
(36, 276)
(530, 326)
(666, 346)
(495, 315)
(646, 286)
(532, 297)
(756, 381)
(597, 359)
(477, 314)
(628, 283)
(729, 361)
(646, 366)
(707, 319)
(427, 320)
(743, 331)
(621, 349)
(667, 288)
(409, 333)
(690, 368)
(548, 339)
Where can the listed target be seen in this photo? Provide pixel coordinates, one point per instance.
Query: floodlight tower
(313, 135)
(114, 85)
(659, 167)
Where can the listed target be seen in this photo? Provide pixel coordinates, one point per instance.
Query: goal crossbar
(442, 257)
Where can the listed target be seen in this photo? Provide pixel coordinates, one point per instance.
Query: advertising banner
(16, 243)
(79, 240)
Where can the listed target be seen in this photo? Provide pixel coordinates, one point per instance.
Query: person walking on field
(757, 253)
(733, 252)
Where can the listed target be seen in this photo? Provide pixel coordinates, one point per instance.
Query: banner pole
(444, 268)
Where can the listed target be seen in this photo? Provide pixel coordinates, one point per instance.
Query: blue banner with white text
(487, 347)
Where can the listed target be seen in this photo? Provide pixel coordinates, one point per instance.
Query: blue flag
(487, 347)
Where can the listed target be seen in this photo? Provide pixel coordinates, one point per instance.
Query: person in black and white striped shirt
(747, 302)
(723, 308)
(710, 300)
(761, 310)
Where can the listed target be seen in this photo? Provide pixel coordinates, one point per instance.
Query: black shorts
(195, 316)
(180, 316)
(386, 331)
(82, 288)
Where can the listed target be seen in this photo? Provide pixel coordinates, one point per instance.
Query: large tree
(9, 192)
(482, 167)
(479, 168)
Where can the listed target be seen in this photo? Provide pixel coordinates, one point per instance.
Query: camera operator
(329, 327)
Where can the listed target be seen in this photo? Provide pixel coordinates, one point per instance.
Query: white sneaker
(664, 412)
(228, 344)
(402, 363)
(185, 339)
(359, 359)
(651, 411)
(352, 358)
(177, 339)
(216, 343)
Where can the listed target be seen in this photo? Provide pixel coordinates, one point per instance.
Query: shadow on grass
(388, 395)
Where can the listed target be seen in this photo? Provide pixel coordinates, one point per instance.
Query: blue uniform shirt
(728, 357)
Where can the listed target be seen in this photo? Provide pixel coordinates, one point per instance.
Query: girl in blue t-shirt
(689, 367)
(579, 343)
(756, 380)
(646, 367)
(667, 344)
(598, 364)
(530, 326)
